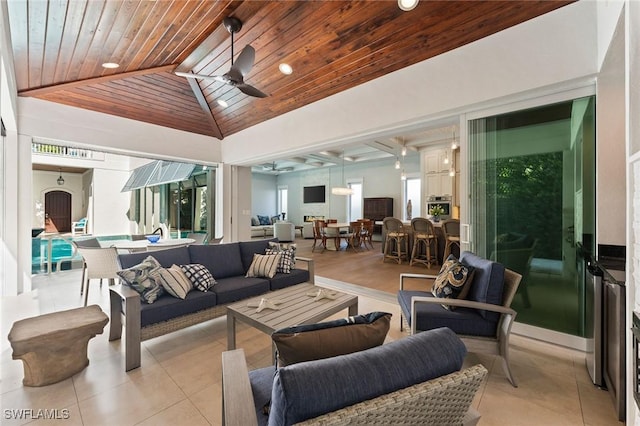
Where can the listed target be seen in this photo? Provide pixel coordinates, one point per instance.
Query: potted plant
(436, 211)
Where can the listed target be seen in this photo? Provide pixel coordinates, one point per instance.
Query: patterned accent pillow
(264, 220)
(199, 276)
(287, 259)
(173, 280)
(264, 265)
(139, 278)
(453, 281)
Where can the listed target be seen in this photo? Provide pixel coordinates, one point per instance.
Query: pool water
(61, 251)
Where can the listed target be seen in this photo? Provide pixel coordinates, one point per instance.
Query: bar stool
(396, 238)
(451, 231)
(423, 234)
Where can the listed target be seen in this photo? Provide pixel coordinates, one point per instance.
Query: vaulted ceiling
(59, 48)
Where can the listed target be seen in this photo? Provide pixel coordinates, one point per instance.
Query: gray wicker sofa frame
(228, 263)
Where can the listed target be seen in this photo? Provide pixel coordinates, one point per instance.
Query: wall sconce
(60, 179)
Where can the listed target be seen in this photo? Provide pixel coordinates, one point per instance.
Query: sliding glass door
(532, 205)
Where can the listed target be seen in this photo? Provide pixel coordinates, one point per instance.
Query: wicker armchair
(442, 399)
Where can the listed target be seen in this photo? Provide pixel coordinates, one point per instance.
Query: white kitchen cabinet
(434, 161)
(438, 184)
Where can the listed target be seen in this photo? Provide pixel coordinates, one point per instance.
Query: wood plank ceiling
(59, 47)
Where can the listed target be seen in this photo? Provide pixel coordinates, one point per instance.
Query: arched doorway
(57, 208)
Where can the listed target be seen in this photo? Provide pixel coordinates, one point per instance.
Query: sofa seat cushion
(168, 307)
(488, 282)
(232, 289)
(463, 321)
(166, 258)
(308, 389)
(296, 276)
(222, 260)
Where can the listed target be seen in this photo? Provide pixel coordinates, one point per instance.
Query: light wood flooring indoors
(179, 380)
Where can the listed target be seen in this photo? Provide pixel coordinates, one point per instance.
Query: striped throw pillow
(173, 280)
(264, 265)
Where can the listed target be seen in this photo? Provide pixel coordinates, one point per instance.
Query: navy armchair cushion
(308, 389)
(488, 282)
(463, 321)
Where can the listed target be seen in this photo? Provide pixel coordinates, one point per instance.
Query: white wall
(379, 179)
(263, 194)
(91, 129)
(610, 145)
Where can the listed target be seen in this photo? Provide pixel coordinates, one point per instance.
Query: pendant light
(454, 143)
(342, 190)
(60, 179)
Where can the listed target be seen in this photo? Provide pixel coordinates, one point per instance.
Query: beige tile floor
(179, 381)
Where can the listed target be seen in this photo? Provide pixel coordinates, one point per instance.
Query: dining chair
(367, 232)
(319, 234)
(88, 242)
(424, 236)
(396, 240)
(101, 263)
(354, 236)
(451, 231)
(332, 233)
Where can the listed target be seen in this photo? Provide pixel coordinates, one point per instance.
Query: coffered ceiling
(59, 48)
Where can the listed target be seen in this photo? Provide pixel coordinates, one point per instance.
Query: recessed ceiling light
(285, 69)
(407, 5)
(222, 103)
(110, 65)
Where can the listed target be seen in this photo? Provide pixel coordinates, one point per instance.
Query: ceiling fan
(272, 168)
(239, 69)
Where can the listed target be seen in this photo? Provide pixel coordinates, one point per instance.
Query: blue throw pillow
(264, 220)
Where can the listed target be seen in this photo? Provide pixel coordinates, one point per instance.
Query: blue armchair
(414, 380)
(482, 319)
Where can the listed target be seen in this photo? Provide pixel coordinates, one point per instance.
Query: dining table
(146, 245)
(335, 234)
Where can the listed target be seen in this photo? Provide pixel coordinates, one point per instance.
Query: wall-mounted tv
(313, 194)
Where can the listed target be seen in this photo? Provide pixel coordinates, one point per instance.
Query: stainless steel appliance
(614, 367)
(605, 322)
(593, 322)
(443, 201)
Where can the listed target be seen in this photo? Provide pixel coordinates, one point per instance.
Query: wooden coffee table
(296, 308)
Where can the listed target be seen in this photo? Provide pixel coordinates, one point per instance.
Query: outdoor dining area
(419, 241)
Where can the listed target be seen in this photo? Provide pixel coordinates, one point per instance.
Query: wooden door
(57, 208)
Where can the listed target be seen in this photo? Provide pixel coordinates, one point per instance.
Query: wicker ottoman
(53, 347)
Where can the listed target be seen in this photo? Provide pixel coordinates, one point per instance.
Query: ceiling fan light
(285, 69)
(110, 65)
(407, 5)
(222, 103)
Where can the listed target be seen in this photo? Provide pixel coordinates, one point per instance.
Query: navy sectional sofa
(228, 263)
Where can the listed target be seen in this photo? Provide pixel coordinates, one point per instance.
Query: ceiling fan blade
(251, 91)
(243, 64)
